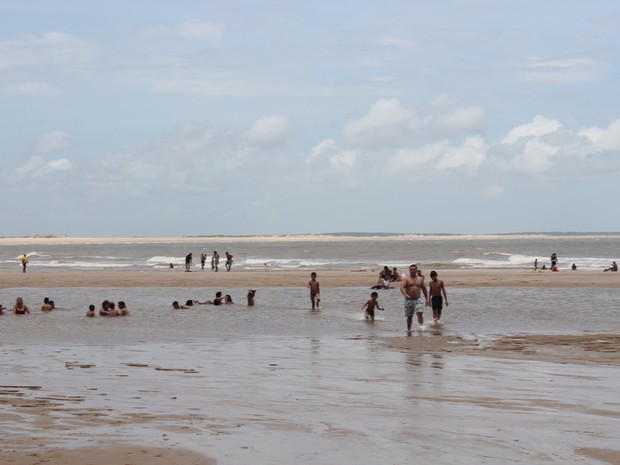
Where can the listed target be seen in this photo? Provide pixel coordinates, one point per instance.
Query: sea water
(332, 252)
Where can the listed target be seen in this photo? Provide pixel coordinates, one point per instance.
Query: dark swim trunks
(437, 302)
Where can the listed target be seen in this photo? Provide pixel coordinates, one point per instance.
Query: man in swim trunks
(411, 287)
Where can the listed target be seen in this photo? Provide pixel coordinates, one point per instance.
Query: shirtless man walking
(411, 287)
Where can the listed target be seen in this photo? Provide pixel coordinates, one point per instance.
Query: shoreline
(327, 237)
(299, 278)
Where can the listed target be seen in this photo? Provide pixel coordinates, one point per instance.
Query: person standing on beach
(215, 261)
(203, 259)
(188, 261)
(315, 291)
(435, 289)
(411, 287)
(554, 260)
(24, 262)
(536, 265)
(229, 261)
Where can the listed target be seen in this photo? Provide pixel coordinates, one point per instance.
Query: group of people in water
(109, 308)
(554, 265)
(218, 300)
(412, 287)
(20, 308)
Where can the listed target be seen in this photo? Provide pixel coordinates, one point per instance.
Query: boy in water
(435, 289)
(315, 291)
(91, 311)
(370, 307)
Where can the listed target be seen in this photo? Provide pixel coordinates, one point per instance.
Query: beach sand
(299, 278)
(528, 399)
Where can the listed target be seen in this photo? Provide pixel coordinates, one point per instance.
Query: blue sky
(239, 117)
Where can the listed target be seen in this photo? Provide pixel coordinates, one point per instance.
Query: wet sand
(442, 399)
(296, 278)
(383, 399)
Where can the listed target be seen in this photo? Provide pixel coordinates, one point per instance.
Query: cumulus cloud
(387, 120)
(390, 123)
(53, 141)
(36, 167)
(268, 130)
(469, 155)
(538, 127)
(323, 147)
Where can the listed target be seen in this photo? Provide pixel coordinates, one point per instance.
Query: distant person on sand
(315, 291)
(536, 265)
(203, 260)
(188, 261)
(229, 261)
(24, 263)
(411, 287)
(215, 261)
(613, 267)
(370, 306)
(20, 308)
(574, 267)
(554, 260)
(435, 289)
(396, 277)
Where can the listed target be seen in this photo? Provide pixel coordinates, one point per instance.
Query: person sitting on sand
(395, 275)
(20, 308)
(91, 311)
(613, 267)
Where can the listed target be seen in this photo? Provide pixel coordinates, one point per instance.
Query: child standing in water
(370, 307)
(435, 289)
(315, 291)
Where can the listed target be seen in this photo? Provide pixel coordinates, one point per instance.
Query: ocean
(331, 252)
(280, 383)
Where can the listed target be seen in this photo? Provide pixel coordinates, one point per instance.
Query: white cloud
(53, 141)
(607, 138)
(61, 164)
(561, 71)
(201, 29)
(469, 155)
(323, 147)
(539, 126)
(268, 130)
(345, 160)
(387, 120)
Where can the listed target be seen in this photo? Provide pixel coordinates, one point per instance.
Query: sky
(239, 117)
